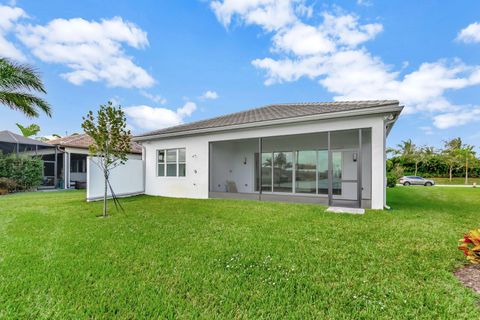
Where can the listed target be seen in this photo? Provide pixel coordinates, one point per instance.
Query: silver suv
(418, 181)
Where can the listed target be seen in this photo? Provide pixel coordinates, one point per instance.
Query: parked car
(414, 180)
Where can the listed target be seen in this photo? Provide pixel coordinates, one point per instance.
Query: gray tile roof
(274, 112)
(10, 137)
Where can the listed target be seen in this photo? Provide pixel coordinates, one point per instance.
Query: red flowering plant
(470, 245)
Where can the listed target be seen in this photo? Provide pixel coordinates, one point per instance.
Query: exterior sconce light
(245, 161)
(355, 155)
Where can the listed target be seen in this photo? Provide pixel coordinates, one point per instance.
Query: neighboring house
(327, 152)
(73, 151)
(12, 143)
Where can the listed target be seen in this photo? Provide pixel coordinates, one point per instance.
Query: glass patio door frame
(331, 200)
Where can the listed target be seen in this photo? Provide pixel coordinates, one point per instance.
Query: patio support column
(209, 167)
(378, 164)
(68, 169)
(359, 169)
(330, 173)
(55, 170)
(65, 173)
(260, 168)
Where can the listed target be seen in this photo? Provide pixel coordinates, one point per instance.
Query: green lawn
(456, 181)
(178, 258)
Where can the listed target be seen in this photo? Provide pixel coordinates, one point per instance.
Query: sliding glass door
(326, 164)
(322, 164)
(267, 172)
(306, 172)
(277, 172)
(282, 171)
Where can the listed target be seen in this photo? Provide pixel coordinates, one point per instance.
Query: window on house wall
(171, 163)
(182, 166)
(161, 163)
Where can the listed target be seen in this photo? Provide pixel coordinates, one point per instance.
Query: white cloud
(366, 3)
(9, 15)
(346, 30)
(187, 109)
(92, 50)
(461, 117)
(333, 54)
(270, 14)
(154, 97)
(427, 130)
(149, 118)
(471, 34)
(212, 95)
(302, 39)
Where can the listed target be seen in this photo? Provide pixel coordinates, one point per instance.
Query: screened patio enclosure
(331, 168)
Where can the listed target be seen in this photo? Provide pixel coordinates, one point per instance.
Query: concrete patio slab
(346, 210)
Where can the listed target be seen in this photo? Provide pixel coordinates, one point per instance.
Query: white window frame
(165, 162)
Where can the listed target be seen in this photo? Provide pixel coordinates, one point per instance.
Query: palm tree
(17, 81)
(406, 149)
(466, 154)
(451, 154)
(423, 155)
(409, 152)
(29, 131)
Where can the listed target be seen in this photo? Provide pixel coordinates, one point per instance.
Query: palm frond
(25, 102)
(15, 76)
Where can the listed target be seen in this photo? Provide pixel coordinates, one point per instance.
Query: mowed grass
(456, 180)
(180, 258)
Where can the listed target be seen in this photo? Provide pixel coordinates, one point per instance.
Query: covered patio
(331, 168)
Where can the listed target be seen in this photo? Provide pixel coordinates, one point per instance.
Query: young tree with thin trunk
(111, 141)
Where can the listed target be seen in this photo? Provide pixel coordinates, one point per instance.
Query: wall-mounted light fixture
(355, 155)
(245, 161)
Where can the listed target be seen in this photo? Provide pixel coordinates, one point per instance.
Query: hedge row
(25, 172)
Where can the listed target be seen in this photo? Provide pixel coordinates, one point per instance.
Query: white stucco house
(328, 153)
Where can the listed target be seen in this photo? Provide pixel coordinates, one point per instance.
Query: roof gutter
(323, 116)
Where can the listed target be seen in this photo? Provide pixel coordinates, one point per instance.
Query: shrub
(7, 185)
(470, 245)
(27, 172)
(391, 180)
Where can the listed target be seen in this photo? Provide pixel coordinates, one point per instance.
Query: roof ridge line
(351, 103)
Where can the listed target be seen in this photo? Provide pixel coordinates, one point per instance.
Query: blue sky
(168, 62)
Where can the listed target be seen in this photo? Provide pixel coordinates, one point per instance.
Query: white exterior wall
(80, 176)
(196, 182)
(126, 180)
